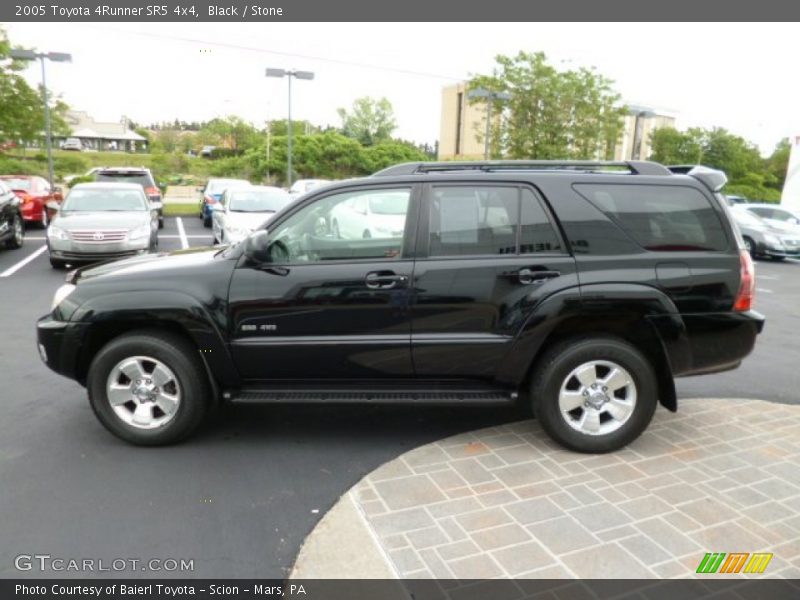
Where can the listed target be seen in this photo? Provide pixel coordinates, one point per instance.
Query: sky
(737, 76)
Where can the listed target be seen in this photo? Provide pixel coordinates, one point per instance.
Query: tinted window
(471, 220)
(142, 178)
(660, 217)
(488, 220)
(536, 230)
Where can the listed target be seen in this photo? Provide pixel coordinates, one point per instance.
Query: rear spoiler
(713, 179)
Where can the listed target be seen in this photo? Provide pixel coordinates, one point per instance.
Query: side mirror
(53, 205)
(256, 247)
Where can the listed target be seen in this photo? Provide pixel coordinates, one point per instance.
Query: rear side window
(468, 220)
(660, 217)
(142, 178)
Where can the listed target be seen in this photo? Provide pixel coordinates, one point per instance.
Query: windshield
(85, 200)
(142, 179)
(217, 186)
(389, 204)
(744, 217)
(18, 184)
(258, 201)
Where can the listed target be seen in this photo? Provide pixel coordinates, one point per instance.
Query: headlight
(56, 233)
(139, 233)
(61, 293)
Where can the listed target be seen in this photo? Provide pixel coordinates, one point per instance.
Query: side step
(372, 396)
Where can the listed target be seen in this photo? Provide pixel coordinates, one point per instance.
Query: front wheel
(595, 395)
(750, 246)
(149, 388)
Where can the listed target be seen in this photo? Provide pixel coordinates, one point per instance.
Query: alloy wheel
(143, 392)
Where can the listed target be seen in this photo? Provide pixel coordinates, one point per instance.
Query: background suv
(578, 289)
(138, 175)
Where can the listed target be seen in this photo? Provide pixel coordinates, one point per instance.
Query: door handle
(529, 276)
(383, 280)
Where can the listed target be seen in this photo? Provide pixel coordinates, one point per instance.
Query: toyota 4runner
(579, 288)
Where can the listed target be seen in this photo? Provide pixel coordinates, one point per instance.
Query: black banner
(206, 589)
(162, 11)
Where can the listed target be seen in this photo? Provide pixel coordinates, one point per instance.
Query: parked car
(102, 221)
(141, 176)
(301, 186)
(207, 151)
(243, 210)
(212, 193)
(12, 225)
(72, 144)
(370, 214)
(34, 192)
(579, 289)
(762, 239)
(786, 219)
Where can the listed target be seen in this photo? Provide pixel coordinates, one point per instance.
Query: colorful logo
(735, 562)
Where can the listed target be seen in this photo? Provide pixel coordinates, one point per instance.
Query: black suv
(139, 175)
(578, 288)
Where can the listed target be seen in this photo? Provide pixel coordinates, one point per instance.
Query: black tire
(18, 236)
(553, 370)
(177, 354)
(778, 258)
(57, 264)
(45, 219)
(161, 222)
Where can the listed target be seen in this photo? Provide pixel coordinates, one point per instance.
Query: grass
(180, 209)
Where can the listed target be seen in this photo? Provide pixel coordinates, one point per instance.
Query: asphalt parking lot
(239, 498)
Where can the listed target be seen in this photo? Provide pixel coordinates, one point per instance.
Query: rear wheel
(17, 233)
(149, 388)
(595, 395)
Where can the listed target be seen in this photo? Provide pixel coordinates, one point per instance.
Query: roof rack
(634, 167)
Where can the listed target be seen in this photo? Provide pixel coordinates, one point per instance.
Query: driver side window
(354, 225)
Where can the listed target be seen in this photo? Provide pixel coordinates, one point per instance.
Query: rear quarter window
(663, 218)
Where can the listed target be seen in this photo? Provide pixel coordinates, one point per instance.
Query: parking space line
(14, 268)
(182, 233)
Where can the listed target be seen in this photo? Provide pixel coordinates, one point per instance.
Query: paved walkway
(718, 476)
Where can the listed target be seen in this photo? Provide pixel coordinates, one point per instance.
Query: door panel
(489, 256)
(329, 320)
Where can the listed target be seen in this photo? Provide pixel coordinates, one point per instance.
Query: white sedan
(241, 211)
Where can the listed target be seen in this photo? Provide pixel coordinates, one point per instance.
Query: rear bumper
(708, 343)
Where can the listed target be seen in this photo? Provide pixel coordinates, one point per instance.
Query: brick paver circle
(720, 475)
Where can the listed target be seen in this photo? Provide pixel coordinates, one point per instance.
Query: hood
(102, 220)
(247, 220)
(145, 264)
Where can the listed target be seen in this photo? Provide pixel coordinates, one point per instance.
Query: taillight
(747, 286)
(152, 191)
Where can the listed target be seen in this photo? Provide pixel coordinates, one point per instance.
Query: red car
(35, 193)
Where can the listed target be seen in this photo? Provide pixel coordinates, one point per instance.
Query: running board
(427, 397)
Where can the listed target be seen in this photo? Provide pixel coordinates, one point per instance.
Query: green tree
(21, 106)
(391, 152)
(551, 114)
(778, 163)
(369, 121)
(232, 132)
(672, 147)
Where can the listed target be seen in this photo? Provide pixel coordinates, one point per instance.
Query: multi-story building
(462, 122)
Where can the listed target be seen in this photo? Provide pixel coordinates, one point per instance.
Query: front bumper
(59, 344)
(75, 252)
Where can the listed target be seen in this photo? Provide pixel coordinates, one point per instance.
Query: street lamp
(55, 57)
(299, 75)
(490, 99)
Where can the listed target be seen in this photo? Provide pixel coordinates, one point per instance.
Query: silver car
(242, 210)
(101, 221)
(763, 239)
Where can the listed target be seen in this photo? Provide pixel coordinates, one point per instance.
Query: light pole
(299, 75)
(55, 57)
(490, 99)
